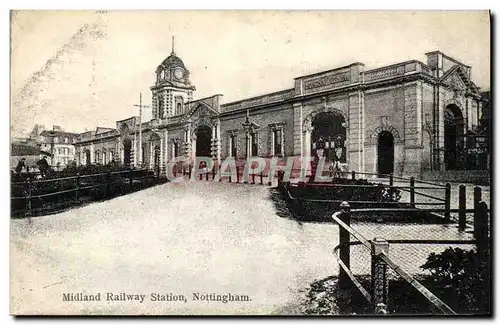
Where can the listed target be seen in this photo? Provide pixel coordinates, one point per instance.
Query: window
(97, 158)
(59, 150)
(104, 157)
(161, 107)
(278, 142)
(65, 140)
(178, 110)
(176, 150)
(255, 144)
(233, 145)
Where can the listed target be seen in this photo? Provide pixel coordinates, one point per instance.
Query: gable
(202, 110)
(457, 79)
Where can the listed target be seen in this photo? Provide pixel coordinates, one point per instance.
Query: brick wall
(264, 117)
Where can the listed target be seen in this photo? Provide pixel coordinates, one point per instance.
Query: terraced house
(404, 118)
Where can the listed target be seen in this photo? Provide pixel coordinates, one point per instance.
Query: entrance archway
(156, 157)
(127, 152)
(453, 137)
(385, 153)
(328, 137)
(203, 141)
(87, 157)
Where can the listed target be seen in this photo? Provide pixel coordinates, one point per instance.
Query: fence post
(108, 181)
(253, 178)
(379, 279)
(130, 179)
(391, 180)
(477, 197)
(461, 207)
(261, 180)
(447, 202)
(345, 248)
(213, 172)
(28, 213)
(77, 194)
(237, 174)
(281, 175)
(353, 174)
(412, 191)
(481, 228)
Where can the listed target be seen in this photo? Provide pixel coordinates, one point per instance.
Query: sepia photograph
(250, 163)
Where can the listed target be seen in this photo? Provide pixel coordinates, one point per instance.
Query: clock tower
(172, 88)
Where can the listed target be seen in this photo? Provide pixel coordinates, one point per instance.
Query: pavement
(188, 238)
(184, 238)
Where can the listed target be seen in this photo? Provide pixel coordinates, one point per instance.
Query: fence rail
(79, 185)
(377, 295)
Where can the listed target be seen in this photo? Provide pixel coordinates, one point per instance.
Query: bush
(461, 279)
(373, 192)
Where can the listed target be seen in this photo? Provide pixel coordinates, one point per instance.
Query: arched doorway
(87, 157)
(156, 157)
(127, 152)
(453, 137)
(328, 137)
(385, 153)
(203, 141)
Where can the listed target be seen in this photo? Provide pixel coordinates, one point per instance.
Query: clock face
(179, 73)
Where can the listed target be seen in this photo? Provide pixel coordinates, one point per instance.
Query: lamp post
(51, 135)
(482, 148)
(140, 128)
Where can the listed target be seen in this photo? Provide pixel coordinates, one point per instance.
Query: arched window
(178, 109)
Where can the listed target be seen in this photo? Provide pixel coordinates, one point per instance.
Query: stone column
(133, 157)
(218, 142)
(440, 127)
(92, 153)
(412, 129)
(297, 130)
(151, 154)
(164, 152)
(354, 147)
(306, 135)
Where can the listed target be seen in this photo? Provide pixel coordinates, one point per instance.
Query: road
(185, 238)
(179, 238)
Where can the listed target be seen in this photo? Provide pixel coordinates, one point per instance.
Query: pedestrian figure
(337, 170)
(43, 166)
(20, 165)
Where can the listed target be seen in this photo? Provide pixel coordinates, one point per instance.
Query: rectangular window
(161, 107)
(255, 145)
(233, 145)
(278, 142)
(176, 150)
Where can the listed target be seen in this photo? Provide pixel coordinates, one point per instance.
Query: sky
(83, 69)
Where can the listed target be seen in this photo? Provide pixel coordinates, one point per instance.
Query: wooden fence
(48, 195)
(377, 294)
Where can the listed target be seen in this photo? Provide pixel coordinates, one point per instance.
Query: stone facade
(405, 104)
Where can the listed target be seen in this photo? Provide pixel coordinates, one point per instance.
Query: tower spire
(173, 45)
